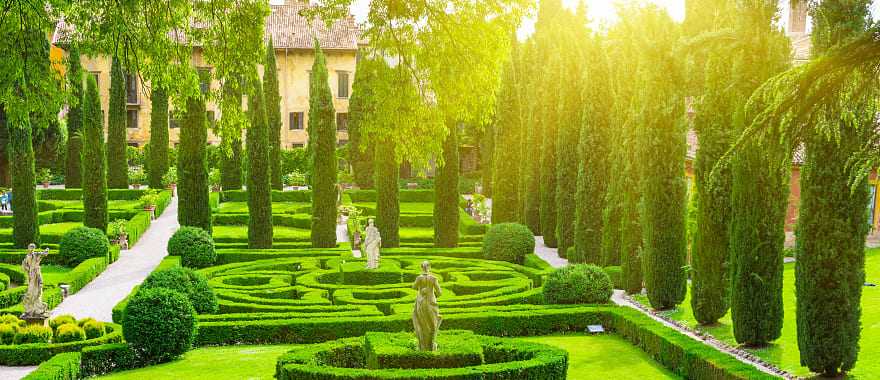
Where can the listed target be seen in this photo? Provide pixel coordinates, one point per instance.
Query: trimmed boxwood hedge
(64, 366)
(82, 243)
(277, 196)
(33, 354)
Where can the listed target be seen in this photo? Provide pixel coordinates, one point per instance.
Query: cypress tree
(446, 214)
(567, 159)
(759, 194)
(25, 227)
(230, 162)
(593, 174)
(630, 232)
(548, 182)
(612, 218)
(506, 201)
(273, 116)
(158, 137)
(322, 126)
(258, 187)
(360, 106)
(73, 172)
(663, 151)
(487, 160)
(94, 162)
(194, 208)
(530, 168)
(830, 267)
(387, 194)
(117, 162)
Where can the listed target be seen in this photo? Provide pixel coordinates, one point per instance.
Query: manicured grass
(784, 352)
(111, 205)
(605, 357)
(49, 233)
(277, 208)
(227, 362)
(405, 207)
(53, 274)
(237, 234)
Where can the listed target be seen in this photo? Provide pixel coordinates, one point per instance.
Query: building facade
(291, 35)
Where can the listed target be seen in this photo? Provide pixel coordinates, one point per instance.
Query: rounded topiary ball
(581, 283)
(33, 334)
(94, 329)
(7, 333)
(194, 246)
(188, 282)
(159, 324)
(508, 242)
(69, 332)
(82, 243)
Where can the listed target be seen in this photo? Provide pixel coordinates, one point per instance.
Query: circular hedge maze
(329, 286)
(460, 355)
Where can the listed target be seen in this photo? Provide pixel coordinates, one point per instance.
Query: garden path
(96, 300)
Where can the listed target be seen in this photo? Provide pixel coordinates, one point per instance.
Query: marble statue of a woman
(426, 314)
(34, 307)
(372, 243)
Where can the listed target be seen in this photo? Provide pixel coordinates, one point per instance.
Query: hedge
(106, 358)
(303, 196)
(33, 354)
(64, 366)
(406, 196)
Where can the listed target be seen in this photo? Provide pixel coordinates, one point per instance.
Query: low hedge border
(405, 195)
(277, 196)
(32, 354)
(76, 194)
(64, 366)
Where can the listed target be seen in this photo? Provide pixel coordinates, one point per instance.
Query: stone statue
(372, 243)
(34, 307)
(426, 314)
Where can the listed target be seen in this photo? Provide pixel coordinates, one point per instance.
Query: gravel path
(96, 300)
(550, 255)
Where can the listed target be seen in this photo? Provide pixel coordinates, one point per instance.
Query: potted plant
(117, 234)
(149, 201)
(354, 216)
(44, 177)
(136, 177)
(170, 180)
(214, 180)
(295, 179)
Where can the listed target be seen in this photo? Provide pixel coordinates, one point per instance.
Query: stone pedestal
(32, 320)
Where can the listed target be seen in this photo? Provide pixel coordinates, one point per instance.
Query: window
(211, 120)
(299, 145)
(172, 122)
(342, 122)
(205, 79)
(131, 88)
(296, 120)
(134, 144)
(97, 76)
(133, 119)
(342, 91)
(341, 143)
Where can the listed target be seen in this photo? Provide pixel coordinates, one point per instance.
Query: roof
(287, 29)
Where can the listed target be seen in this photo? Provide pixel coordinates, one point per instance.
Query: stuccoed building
(294, 52)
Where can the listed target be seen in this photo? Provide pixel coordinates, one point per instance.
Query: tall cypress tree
(73, 172)
(506, 201)
(94, 162)
(259, 191)
(192, 167)
(360, 106)
(759, 194)
(273, 116)
(25, 227)
(322, 125)
(548, 182)
(486, 140)
(230, 162)
(387, 194)
(830, 267)
(158, 137)
(446, 214)
(117, 162)
(663, 150)
(530, 168)
(568, 136)
(630, 228)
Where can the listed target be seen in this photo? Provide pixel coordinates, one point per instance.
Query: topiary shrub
(580, 283)
(160, 324)
(11, 319)
(69, 332)
(94, 329)
(33, 334)
(82, 243)
(194, 246)
(56, 322)
(82, 322)
(188, 282)
(7, 333)
(508, 242)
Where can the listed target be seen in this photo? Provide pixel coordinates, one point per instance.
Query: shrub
(194, 246)
(508, 242)
(33, 334)
(82, 243)
(160, 324)
(93, 329)
(582, 283)
(188, 282)
(82, 322)
(69, 332)
(56, 322)
(7, 333)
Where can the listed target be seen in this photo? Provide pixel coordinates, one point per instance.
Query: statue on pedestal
(34, 307)
(372, 243)
(426, 314)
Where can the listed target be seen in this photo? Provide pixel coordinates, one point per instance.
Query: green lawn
(227, 362)
(405, 207)
(784, 352)
(237, 234)
(605, 357)
(277, 208)
(53, 274)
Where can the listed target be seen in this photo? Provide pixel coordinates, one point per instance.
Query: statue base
(34, 319)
